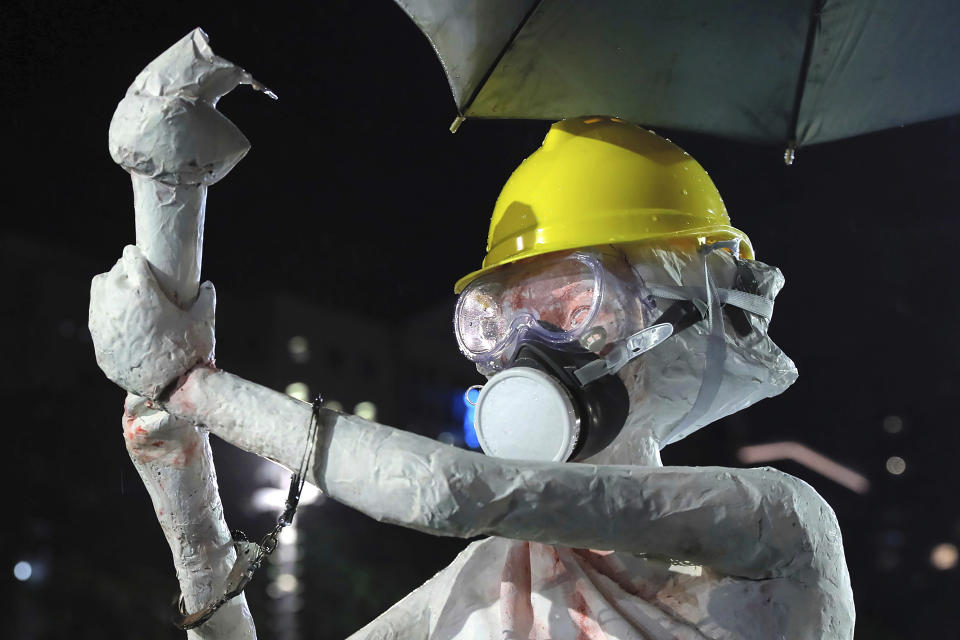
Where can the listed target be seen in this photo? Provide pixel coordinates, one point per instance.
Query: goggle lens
(480, 322)
(558, 297)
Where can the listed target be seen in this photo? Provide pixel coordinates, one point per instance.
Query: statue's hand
(143, 341)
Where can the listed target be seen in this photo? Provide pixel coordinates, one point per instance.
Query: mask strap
(716, 354)
(680, 316)
(637, 344)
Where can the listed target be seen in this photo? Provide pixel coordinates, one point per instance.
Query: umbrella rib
(496, 61)
(815, 11)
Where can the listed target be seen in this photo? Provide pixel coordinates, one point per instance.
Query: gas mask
(551, 334)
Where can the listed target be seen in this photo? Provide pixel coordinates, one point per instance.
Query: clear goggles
(591, 299)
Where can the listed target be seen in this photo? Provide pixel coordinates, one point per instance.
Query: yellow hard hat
(599, 181)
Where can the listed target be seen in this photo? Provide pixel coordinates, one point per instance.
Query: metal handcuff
(250, 555)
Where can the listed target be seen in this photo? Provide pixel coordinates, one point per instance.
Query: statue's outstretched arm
(753, 523)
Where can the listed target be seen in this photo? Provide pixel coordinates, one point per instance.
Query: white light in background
(274, 499)
(269, 499)
(366, 410)
(22, 571)
(893, 424)
(333, 405)
(285, 590)
(944, 556)
(298, 390)
(288, 535)
(896, 465)
(310, 494)
(287, 583)
(299, 348)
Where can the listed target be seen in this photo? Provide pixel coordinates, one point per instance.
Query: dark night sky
(355, 196)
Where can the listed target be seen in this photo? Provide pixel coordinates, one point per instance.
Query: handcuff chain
(268, 544)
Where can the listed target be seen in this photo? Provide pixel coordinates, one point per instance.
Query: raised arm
(754, 523)
(168, 135)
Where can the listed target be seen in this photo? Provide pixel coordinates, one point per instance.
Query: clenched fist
(143, 341)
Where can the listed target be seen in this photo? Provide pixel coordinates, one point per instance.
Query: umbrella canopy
(793, 72)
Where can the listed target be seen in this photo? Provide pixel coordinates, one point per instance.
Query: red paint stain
(190, 451)
(128, 423)
(180, 395)
(558, 566)
(559, 293)
(144, 448)
(541, 631)
(516, 608)
(187, 453)
(587, 627)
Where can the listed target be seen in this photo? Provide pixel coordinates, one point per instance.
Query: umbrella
(793, 72)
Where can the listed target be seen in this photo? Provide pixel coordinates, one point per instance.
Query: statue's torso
(507, 589)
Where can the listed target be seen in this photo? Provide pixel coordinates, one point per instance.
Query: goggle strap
(684, 314)
(751, 302)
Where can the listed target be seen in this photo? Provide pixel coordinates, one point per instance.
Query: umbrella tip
(789, 153)
(456, 123)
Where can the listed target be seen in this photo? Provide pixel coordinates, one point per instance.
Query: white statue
(617, 311)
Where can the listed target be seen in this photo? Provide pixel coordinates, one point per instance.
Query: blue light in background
(469, 433)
